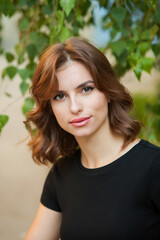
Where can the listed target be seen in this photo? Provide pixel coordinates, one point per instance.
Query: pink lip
(79, 122)
(76, 120)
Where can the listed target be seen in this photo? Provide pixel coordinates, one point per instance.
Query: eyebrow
(85, 83)
(80, 86)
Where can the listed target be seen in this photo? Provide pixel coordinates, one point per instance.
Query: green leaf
(133, 59)
(156, 107)
(31, 3)
(22, 3)
(1, 50)
(118, 13)
(147, 64)
(47, 9)
(24, 87)
(136, 34)
(33, 36)
(153, 3)
(149, 34)
(21, 57)
(20, 51)
(23, 24)
(31, 50)
(11, 71)
(5, 6)
(67, 5)
(28, 105)
(146, 35)
(53, 34)
(138, 72)
(156, 49)
(158, 14)
(31, 68)
(64, 34)
(50, 2)
(42, 42)
(84, 6)
(3, 120)
(60, 20)
(124, 31)
(42, 21)
(156, 126)
(79, 17)
(24, 73)
(153, 30)
(9, 57)
(118, 47)
(122, 59)
(102, 2)
(130, 45)
(152, 137)
(144, 47)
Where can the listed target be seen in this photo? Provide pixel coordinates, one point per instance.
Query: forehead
(72, 74)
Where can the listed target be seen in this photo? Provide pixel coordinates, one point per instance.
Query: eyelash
(57, 96)
(88, 88)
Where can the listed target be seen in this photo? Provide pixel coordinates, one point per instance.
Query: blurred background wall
(21, 180)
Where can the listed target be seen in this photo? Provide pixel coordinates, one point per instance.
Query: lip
(79, 122)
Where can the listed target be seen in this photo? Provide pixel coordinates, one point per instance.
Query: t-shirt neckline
(109, 166)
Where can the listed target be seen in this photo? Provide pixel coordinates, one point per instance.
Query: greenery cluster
(133, 27)
(146, 111)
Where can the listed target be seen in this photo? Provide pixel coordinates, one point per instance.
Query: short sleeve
(49, 196)
(154, 182)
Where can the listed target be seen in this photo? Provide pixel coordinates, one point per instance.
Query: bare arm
(46, 225)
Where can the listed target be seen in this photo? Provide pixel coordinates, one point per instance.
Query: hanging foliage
(133, 28)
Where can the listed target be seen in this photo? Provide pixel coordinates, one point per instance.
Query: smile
(79, 122)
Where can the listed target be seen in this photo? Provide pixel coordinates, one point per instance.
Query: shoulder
(153, 176)
(143, 156)
(149, 145)
(152, 153)
(149, 149)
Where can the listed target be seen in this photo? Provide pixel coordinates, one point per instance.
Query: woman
(105, 181)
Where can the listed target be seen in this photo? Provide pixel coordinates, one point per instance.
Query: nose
(75, 105)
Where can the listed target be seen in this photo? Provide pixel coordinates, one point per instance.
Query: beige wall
(21, 179)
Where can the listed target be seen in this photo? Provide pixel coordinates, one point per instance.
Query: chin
(83, 134)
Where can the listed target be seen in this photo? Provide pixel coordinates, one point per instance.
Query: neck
(101, 148)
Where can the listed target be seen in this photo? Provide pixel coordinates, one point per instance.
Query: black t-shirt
(119, 201)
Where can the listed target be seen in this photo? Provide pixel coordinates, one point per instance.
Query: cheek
(100, 103)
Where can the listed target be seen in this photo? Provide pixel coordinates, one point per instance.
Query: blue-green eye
(59, 97)
(87, 89)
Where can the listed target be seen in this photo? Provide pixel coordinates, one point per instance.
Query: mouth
(78, 122)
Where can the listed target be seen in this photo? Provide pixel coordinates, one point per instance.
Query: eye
(87, 89)
(59, 97)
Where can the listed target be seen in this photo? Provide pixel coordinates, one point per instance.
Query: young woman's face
(79, 107)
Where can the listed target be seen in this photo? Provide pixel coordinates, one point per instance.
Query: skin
(78, 97)
(46, 225)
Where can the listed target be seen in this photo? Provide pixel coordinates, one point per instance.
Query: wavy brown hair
(51, 141)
